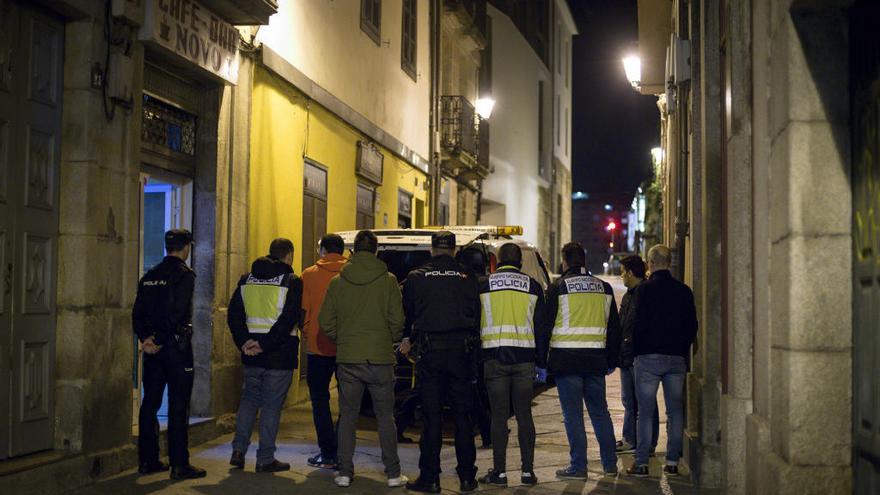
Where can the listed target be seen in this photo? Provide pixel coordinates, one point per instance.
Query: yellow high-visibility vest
(263, 302)
(508, 312)
(582, 317)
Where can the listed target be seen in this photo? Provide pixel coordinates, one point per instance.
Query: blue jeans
(265, 391)
(631, 409)
(651, 370)
(575, 390)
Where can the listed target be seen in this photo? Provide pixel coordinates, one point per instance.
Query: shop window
(404, 209)
(408, 42)
(371, 19)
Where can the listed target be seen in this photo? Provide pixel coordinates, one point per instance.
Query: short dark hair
(510, 254)
(635, 265)
(333, 243)
(574, 255)
(365, 240)
(280, 248)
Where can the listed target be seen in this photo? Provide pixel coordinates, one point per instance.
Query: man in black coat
(664, 325)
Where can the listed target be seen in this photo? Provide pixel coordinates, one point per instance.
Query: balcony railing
(457, 130)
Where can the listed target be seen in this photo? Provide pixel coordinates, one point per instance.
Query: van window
(400, 263)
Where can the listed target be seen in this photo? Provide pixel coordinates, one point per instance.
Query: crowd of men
(466, 330)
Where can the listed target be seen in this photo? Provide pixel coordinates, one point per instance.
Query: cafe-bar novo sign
(191, 31)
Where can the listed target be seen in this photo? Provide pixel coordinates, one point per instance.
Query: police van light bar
(509, 230)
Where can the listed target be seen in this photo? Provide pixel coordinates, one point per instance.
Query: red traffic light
(611, 226)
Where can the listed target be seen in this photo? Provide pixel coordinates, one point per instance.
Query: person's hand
(610, 370)
(251, 348)
(150, 347)
(541, 375)
(405, 346)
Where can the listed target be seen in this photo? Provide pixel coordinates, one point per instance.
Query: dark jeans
(175, 369)
(265, 391)
(508, 383)
(574, 392)
(379, 380)
(443, 374)
(651, 370)
(320, 371)
(631, 409)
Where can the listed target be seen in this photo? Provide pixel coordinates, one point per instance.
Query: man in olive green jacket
(363, 314)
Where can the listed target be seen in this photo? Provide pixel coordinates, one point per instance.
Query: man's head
(659, 258)
(366, 241)
(473, 260)
(443, 242)
(331, 244)
(573, 256)
(510, 254)
(632, 270)
(281, 249)
(178, 242)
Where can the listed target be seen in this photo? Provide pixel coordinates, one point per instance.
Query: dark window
(371, 19)
(408, 42)
(366, 205)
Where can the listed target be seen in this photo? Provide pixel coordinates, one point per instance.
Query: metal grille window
(371, 19)
(458, 125)
(408, 44)
(168, 126)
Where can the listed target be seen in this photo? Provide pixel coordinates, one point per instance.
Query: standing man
(263, 314)
(584, 347)
(162, 320)
(362, 313)
(442, 306)
(664, 324)
(513, 339)
(321, 350)
(632, 272)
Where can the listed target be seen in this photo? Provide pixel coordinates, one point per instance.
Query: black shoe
(528, 478)
(495, 479)
(404, 439)
(187, 472)
(671, 470)
(468, 485)
(638, 471)
(424, 486)
(152, 467)
(273, 467)
(623, 447)
(570, 473)
(237, 459)
(319, 461)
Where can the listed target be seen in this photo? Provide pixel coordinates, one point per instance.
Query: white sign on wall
(192, 32)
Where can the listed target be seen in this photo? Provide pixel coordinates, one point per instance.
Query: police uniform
(442, 309)
(513, 340)
(584, 345)
(163, 311)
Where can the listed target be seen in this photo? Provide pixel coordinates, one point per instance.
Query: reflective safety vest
(508, 311)
(582, 317)
(263, 301)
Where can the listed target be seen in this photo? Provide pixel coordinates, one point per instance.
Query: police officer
(162, 320)
(584, 347)
(442, 309)
(514, 340)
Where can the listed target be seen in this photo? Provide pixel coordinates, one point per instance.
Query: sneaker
(319, 461)
(237, 459)
(152, 467)
(468, 485)
(275, 466)
(570, 473)
(397, 482)
(424, 486)
(625, 447)
(495, 479)
(638, 471)
(187, 472)
(342, 481)
(671, 469)
(610, 470)
(528, 478)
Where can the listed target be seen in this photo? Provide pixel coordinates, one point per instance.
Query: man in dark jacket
(262, 316)
(513, 340)
(664, 324)
(632, 271)
(162, 320)
(442, 307)
(584, 347)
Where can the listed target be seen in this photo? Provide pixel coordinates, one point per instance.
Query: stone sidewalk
(296, 442)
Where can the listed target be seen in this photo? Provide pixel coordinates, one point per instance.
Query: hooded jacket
(280, 344)
(362, 312)
(316, 279)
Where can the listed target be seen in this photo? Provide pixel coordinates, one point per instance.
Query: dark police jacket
(664, 318)
(442, 303)
(163, 306)
(280, 344)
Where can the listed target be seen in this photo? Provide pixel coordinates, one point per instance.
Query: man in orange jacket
(321, 351)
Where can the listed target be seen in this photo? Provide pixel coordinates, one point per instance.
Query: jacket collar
(577, 270)
(507, 268)
(661, 274)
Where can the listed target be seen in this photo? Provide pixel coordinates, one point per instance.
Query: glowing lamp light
(611, 226)
(632, 65)
(657, 154)
(484, 107)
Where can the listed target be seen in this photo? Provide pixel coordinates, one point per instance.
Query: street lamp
(484, 106)
(657, 154)
(632, 65)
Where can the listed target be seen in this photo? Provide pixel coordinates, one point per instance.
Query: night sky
(613, 126)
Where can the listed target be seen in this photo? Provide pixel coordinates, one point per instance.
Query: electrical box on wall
(128, 11)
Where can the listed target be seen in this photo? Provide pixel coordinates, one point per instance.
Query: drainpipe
(434, 113)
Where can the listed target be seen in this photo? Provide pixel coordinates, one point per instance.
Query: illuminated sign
(192, 32)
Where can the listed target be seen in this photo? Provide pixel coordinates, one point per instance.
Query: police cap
(177, 238)
(443, 240)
